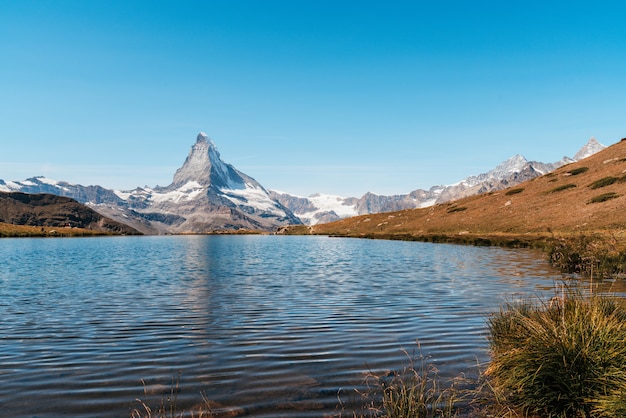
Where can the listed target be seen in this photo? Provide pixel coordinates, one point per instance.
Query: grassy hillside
(581, 198)
(47, 212)
(10, 230)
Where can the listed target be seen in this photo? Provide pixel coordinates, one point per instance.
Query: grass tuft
(578, 170)
(415, 391)
(514, 191)
(604, 197)
(561, 188)
(167, 406)
(603, 182)
(456, 209)
(565, 358)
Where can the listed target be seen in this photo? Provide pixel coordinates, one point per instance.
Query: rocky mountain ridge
(208, 195)
(318, 208)
(205, 195)
(586, 197)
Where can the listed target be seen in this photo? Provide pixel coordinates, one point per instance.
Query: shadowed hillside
(49, 211)
(585, 197)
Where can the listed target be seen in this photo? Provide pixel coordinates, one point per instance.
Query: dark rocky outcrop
(47, 210)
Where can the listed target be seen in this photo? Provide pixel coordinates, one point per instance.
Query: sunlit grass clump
(565, 358)
(415, 391)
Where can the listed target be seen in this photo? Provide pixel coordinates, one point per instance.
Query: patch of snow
(46, 180)
(190, 186)
(174, 196)
(122, 195)
(515, 164)
(427, 203)
(4, 188)
(254, 197)
(327, 203)
(324, 203)
(13, 185)
(27, 183)
(188, 191)
(280, 192)
(194, 193)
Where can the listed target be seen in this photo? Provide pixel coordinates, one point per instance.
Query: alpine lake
(259, 325)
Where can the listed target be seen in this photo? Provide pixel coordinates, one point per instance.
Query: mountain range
(320, 208)
(584, 198)
(207, 195)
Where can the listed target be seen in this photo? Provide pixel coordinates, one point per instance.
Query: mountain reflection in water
(263, 325)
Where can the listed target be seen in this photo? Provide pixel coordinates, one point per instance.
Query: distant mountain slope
(209, 195)
(55, 211)
(585, 196)
(205, 195)
(324, 208)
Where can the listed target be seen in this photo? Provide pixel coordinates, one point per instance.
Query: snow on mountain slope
(206, 194)
(514, 164)
(515, 170)
(589, 149)
(319, 207)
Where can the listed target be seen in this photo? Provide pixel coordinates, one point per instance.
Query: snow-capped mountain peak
(206, 194)
(512, 165)
(205, 167)
(510, 172)
(590, 148)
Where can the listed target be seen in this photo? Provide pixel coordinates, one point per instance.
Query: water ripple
(272, 326)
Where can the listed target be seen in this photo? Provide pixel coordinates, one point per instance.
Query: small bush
(604, 197)
(566, 358)
(591, 256)
(561, 188)
(578, 170)
(603, 182)
(514, 191)
(456, 209)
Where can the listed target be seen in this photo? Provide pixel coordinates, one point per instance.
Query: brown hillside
(10, 230)
(46, 210)
(583, 197)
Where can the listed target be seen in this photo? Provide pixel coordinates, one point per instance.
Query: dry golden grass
(573, 200)
(10, 230)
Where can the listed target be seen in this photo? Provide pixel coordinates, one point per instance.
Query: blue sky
(339, 97)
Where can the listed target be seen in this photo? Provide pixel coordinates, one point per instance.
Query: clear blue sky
(339, 97)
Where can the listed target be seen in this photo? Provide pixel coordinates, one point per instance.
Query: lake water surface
(264, 325)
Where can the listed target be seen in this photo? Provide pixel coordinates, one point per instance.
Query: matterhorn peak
(204, 166)
(202, 137)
